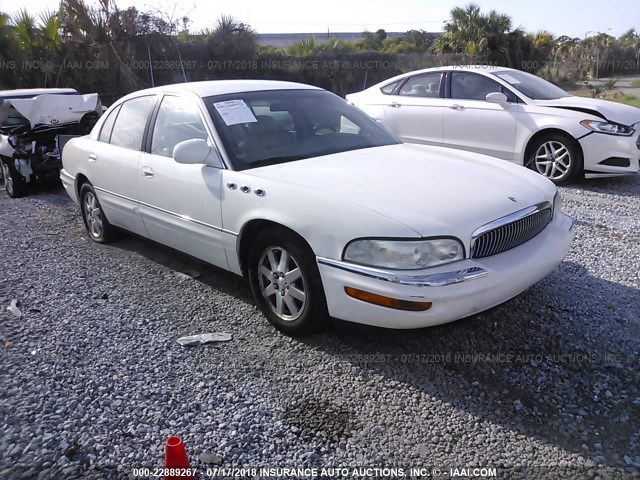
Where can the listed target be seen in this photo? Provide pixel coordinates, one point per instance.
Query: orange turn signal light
(388, 302)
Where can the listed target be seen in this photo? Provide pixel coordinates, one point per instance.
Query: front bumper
(598, 148)
(455, 292)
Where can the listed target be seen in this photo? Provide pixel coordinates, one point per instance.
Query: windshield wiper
(274, 160)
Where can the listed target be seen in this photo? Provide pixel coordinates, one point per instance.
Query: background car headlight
(557, 204)
(607, 127)
(404, 254)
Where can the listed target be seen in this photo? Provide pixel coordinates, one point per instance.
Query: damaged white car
(508, 114)
(34, 126)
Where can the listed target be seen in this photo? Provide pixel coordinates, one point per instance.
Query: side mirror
(496, 97)
(196, 151)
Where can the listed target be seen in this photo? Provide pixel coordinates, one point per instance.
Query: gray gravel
(93, 381)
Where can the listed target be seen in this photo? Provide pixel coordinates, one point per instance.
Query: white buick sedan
(508, 114)
(323, 210)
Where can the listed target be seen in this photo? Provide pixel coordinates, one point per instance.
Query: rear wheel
(98, 227)
(285, 282)
(556, 157)
(13, 181)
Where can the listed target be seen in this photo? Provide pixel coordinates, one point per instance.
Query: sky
(575, 18)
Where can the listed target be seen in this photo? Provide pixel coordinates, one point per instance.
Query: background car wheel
(555, 157)
(285, 282)
(98, 227)
(13, 181)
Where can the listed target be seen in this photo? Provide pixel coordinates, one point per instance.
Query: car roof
(34, 92)
(480, 68)
(221, 87)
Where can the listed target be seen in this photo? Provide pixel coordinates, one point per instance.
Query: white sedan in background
(323, 210)
(508, 114)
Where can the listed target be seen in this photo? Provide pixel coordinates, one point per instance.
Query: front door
(181, 204)
(471, 123)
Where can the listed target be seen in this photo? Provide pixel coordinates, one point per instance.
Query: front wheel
(13, 181)
(556, 157)
(285, 282)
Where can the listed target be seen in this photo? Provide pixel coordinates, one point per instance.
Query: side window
(107, 126)
(471, 86)
(511, 97)
(347, 126)
(178, 120)
(427, 85)
(389, 89)
(132, 119)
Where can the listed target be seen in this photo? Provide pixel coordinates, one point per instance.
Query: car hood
(432, 190)
(612, 111)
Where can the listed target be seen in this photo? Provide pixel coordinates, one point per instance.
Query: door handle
(456, 106)
(93, 157)
(147, 172)
(395, 105)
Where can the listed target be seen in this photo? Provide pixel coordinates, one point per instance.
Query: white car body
(396, 191)
(504, 130)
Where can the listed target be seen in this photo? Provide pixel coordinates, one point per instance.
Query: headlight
(404, 254)
(557, 204)
(607, 127)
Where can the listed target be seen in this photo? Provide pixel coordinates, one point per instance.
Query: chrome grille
(510, 235)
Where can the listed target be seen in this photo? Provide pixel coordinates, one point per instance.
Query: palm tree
(88, 37)
(304, 48)
(50, 28)
(337, 46)
(26, 29)
(631, 39)
(497, 28)
(461, 31)
(232, 39)
(489, 36)
(10, 52)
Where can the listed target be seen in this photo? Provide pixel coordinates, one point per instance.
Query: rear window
(131, 122)
(107, 126)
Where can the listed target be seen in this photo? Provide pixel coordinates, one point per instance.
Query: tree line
(114, 51)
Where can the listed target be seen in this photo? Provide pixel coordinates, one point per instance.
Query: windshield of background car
(533, 87)
(278, 126)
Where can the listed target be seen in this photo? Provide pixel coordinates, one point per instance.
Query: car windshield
(533, 87)
(278, 126)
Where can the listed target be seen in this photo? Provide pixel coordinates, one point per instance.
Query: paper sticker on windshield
(234, 112)
(508, 78)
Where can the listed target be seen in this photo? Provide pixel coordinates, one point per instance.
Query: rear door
(113, 162)
(181, 204)
(414, 111)
(471, 123)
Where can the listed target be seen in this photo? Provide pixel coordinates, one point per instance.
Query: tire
(556, 157)
(95, 221)
(13, 181)
(302, 309)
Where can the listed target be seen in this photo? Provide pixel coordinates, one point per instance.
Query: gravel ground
(93, 380)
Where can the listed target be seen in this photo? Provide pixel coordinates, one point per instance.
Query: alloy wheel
(553, 160)
(93, 215)
(281, 283)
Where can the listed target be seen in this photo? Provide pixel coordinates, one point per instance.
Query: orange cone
(175, 456)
